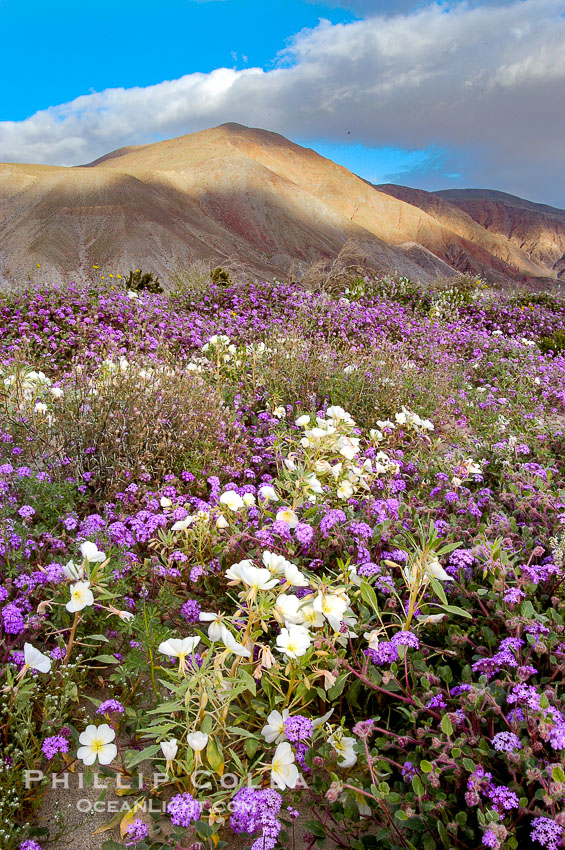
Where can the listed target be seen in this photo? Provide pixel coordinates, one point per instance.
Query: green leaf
(106, 659)
(215, 756)
(248, 680)
(337, 689)
(446, 726)
(439, 591)
(426, 766)
(418, 786)
(455, 609)
(557, 774)
(251, 746)
(147, 753)
(113, 845)
(316, 828)
(369, 596)
(203, 829)
(443, 834)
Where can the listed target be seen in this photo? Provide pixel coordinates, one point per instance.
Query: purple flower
(254, 810)
(405, 639)
(408, 771)
(14, 623)
(502, 798)
(26, 511)
(490, 840)
(110, 706)
(304, 533)
(547, 833)
(298, 728)
(30, 844)
(191, 611)
(53, 745)
(183, 809)
(514, 595)
(333, 517)
(136, 832)
(506, 742)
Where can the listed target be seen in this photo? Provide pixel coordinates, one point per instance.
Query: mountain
(236, 193)
(536, 228)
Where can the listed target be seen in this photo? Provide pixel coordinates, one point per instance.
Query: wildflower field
(302, 553)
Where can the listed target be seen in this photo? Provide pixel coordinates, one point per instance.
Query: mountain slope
(240, 193)
(537, 229)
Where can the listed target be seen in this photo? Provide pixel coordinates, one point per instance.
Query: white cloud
(484, 81)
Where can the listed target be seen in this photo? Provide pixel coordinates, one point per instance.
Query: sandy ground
(71, 804)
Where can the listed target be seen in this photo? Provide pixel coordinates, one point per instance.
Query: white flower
(373, 638)
(222, 522)
(234, 572)
(333, 608)
(288, 607)
(179, 648)
(40, 407)
(126, 616)
(354, 578)
(182, 524)
(36, 660)
(214, 629)
(294, 577)
(302, 420)
(56, 392)
(90, 552)
(96, 744)
(472, 467)
(73, 571)
(132, 294)
(169, 749)
(348, 447)
(321, 720)
(431, 619)
(165, 502)
(287, 515)
(313, 484)
(249, 499)
(344, 748)
(279, 412)
(197, 741)
(345, 490)
(256, 578)
(338, 413)
(437, 571)
(268, 493)
(284, 772)
(232, 500)
(81, 597)
(312, 619)
(274, 729)
(275, 563)
(294, 641)
(230, 643)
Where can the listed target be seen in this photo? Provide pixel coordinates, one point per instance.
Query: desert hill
(248, 194)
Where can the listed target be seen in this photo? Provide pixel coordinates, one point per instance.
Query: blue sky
(431, 94)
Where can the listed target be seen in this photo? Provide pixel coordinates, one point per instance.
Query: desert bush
(554, 344)
(140, 281)
(126, 419)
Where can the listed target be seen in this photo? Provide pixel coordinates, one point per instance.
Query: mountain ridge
(254, 196)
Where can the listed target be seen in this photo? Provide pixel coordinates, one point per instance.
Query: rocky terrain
(235, 193)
